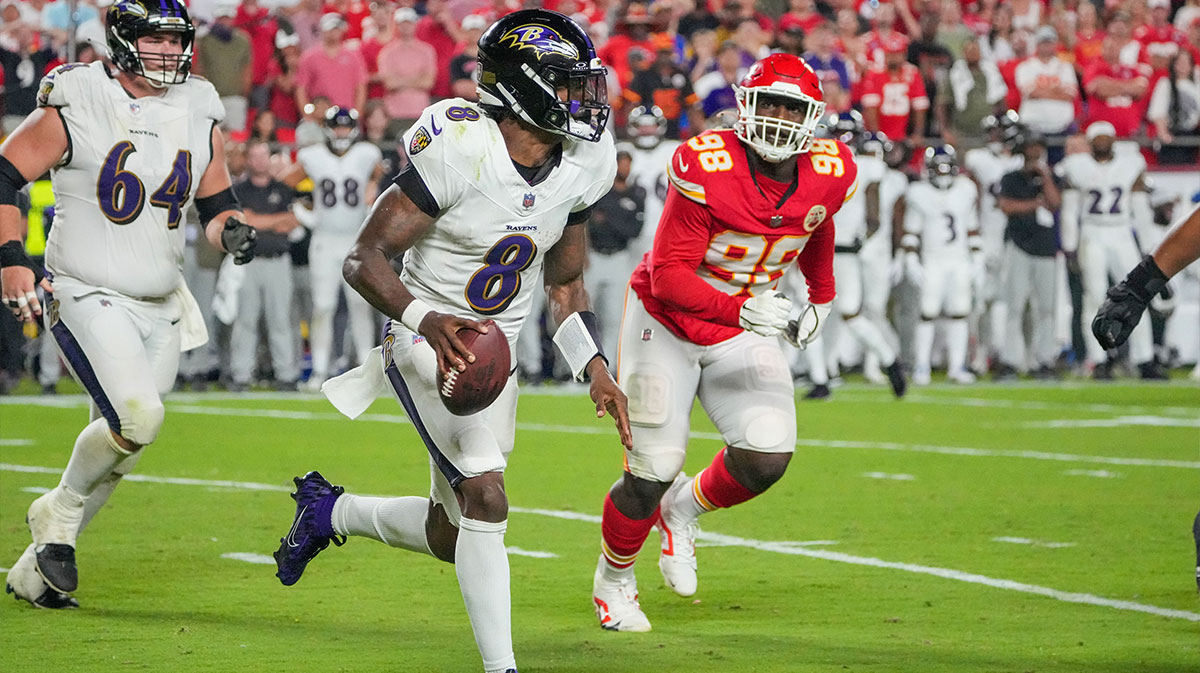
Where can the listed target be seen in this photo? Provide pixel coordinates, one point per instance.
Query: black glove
(1126, 303)
(239, 240)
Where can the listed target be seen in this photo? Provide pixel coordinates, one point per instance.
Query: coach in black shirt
(267, 285)
(1029, 197)
(617, 220)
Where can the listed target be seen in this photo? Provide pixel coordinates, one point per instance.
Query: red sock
(716, 488)
(622, 537)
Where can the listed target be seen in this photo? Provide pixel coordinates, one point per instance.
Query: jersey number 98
(122, 195)
(712, 155)
(493, 287)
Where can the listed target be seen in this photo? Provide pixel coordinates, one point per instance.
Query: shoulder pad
(696, 161)
(62, 84)
(203, 98)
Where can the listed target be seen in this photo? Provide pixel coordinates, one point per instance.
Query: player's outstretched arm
(220, 214)
(37, 145)
(566, 295)
(1181, 247)
(395, 225)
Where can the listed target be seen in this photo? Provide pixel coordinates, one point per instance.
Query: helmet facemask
(575, 102)
(776, 139)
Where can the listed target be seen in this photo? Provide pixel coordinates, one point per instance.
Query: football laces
(448, 384)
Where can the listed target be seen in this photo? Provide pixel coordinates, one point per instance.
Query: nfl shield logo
(135, 108)
(776, 222)
(528, 202)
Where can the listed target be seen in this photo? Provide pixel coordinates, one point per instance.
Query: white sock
(105, 489)
(957, 337)
(872, 338)
(684, 504)
(398, 522)
(95, 456)
(924, 337)
(815, 355)
(481, 564)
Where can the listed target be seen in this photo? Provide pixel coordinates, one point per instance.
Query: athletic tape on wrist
(414, 313)
(578, 339)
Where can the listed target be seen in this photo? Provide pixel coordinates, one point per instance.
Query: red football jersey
(1159, 40)
(896, 96)
(728, 233)
(1123, 112)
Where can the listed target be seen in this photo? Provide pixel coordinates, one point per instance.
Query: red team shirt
(1123, 112)
(896, 97)
(724, 236)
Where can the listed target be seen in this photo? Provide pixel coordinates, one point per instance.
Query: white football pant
(326, 253)
(1106, 254)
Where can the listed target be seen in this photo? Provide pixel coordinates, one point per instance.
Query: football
(476, 387)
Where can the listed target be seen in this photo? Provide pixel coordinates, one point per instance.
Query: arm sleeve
(816, 263)
(679, 247)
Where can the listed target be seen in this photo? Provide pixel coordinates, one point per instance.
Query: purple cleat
(312, 529)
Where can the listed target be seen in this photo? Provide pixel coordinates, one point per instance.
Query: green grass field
(987, 528)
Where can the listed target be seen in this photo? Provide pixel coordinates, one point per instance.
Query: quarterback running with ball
(746, 205)
(130, 145)
(495, 198)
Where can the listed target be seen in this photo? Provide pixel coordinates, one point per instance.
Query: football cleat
(818, 392)
(1152, 371)
(311, 531)
(960, 376)
(1102, 371)
(616, 603)
(677, 560)
(24, 583)
(921, 377)
(895, 375)
(54, 526)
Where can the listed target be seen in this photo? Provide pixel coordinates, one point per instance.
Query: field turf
(985, 528)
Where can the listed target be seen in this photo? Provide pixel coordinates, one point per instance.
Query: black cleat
(1152, 371)
(1004, 372)
(1045, 373)
(818, 392)
(1102, 371)
(49, 600)
(56, 565)
(895, 374)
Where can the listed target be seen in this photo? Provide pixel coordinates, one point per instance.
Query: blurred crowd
(922, 72)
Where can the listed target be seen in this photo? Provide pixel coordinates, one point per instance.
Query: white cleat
(963, 377)
(54, 525)
(677, 561)
(616, 603)
(921, 378)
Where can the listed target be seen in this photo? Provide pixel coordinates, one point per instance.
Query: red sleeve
(872, 94)
(816, 262)
(679, 247)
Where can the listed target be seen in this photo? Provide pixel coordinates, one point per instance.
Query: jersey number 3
(122, 195)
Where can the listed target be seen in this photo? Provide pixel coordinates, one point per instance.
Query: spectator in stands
(1008, 69)
(697, 19)
(894, 98)
(310, 130)
(1187, 15)
(353, 11)
(932, 58)
(332, 69)
(952, 33)
(266, 290)
(263, 129)
(1089, 37)
(23, 68)
(260, 26)
(789, 40)
(1175, 109)
(439, 29)
(305, 18)
(998, 46)
(1114, 90)
(378, 30)
(1160, 40)
(884, 32)
(715, 90)
(819, 53)
(666, 85)
(407, 69)
(281, 80)
(850, 42)
(974, 90)
(632, 35)
(1049, 90)
(752, 40)
(1129, 50)
(462, 66)
(801, 14)
(223, 56)
(1027, 14)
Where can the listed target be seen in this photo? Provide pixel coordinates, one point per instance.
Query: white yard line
(1099, 474)
(779, 547)
(1028, 405)
(1118, 422)
(517, 551)
(16, 442)
(1033, 543)
(888, 475)
(37, 490)
(260, 559)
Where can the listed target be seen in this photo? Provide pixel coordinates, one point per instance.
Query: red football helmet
(779, 76)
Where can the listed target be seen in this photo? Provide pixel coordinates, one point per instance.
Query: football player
(1105, 195)
(941, 252)
(986, 165)
(496, 196)
(344, 172)
(652, 152)
(129, 145)
(857, 221)
(745, 206)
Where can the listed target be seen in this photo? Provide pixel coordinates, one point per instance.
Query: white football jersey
(943, 218)
(484, 256)
(891, 187)
(1104, 185)
(132, 167)
(988, 168)
(340, 184)
(850, 223)
(649, 170)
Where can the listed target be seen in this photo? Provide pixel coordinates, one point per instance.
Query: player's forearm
(11, 226)
(565, 299)
(678, 285)
(369, 271)
(216, 226)
(1017, 206)
(1181, 246)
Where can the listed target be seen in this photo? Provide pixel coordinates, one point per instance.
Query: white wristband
(414, 313)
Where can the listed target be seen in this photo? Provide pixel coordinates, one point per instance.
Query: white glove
(766, 314)
(913, 269)
(803, 330)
